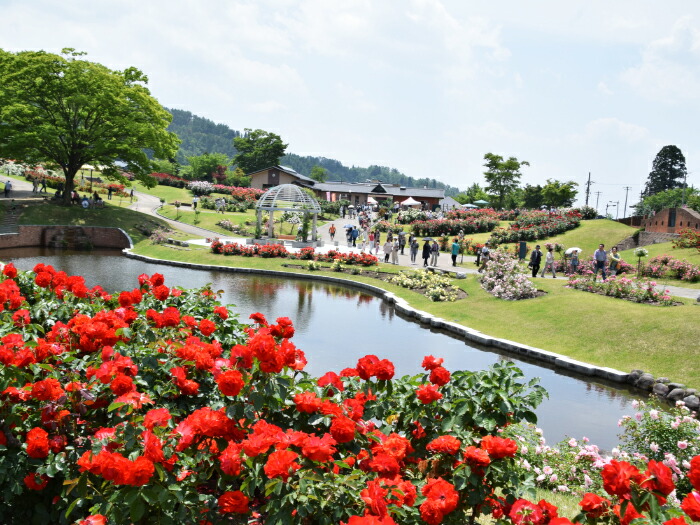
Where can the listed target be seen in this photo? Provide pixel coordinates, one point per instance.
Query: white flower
(548, 470)
(654, 414)
(573, 442)
(654, 447)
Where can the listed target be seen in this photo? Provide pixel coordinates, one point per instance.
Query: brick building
(671, 220)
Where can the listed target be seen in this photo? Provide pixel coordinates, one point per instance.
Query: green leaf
(137, 509)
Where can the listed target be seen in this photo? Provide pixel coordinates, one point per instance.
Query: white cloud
(605, 129)
(669, 69)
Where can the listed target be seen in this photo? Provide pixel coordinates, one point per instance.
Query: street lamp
(610, 205)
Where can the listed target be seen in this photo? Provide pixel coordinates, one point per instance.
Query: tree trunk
(69, 174)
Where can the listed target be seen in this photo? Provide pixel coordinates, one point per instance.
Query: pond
(336, 325)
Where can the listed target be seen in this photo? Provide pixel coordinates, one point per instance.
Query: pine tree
(667, 172)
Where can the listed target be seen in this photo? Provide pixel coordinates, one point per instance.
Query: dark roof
(371, 188)
(290, 171)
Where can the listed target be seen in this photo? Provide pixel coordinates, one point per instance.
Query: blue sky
(424, 86)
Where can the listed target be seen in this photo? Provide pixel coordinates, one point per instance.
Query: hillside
(200, 135)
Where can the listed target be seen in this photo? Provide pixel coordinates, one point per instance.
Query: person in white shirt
(549, 263)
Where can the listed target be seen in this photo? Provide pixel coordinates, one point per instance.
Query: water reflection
(337, 325)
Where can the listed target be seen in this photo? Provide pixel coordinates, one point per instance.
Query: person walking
(535, 260)
(573, 261)
(109, 192)
(600, 257)
(131, 195)
(455, 251)
(43, 185)
(434, 253)
(195, 200)
(414, 250)
(426, 253)
(402, 241)
(371, 241)
(331, 230)
(485, 256)
(395, 253)
(388, 248)
(8, 188)
(615, 260)
(354, 234)
(549, 263)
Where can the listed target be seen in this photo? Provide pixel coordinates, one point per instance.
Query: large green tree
(67, 112)
(472, 193)
(667, 172)
(532, 197)
(258, 149)
(206, 166)
(319, 174)
(557, 194)
(674, 198)
(502, 176)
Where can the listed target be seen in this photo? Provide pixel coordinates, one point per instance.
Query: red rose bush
(159, 406)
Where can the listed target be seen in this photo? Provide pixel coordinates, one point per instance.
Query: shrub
(504, 279)
(688, 239)
(437, 287)
(633, 289)
(665, 265)
(534, 225)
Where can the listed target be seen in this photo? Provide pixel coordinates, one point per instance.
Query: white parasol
(572, 250)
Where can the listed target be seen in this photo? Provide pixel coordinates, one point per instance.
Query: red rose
(442, 492)
(233, 503)
(385, 465)
(207, 327)
(331, 378)
(365, 366)
(499, 447)
(658, 478)
(258, 318)
(445, 445)
(157, 279)
(440, 376)
(230, 382)
(43, 279)
(221, 311)
(384, 370)
(319, 449)
(30, 480)
(231, 460)
(694, 472)
(676, 521)
(430, 362)
(47, 390)
(343, 429)
(9, 270)
(617, 477)
(691, 506)
(21, 318)
(307, 402)
(281, 464)
(158, 417)
(525, 512)
(593, 505)
(37, 443)
(122, 384)
(428, 393)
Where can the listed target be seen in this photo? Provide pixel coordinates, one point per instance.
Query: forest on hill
(200, 135)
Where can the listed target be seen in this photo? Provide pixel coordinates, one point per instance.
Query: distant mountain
(200, 135)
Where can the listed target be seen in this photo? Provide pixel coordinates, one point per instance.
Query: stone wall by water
(66, 237)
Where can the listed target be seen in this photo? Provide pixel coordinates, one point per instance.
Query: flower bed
(687, 239)
(156, 405)
(436, 287)
(534, 225)
(504, 279)
(638, 290)
(439, 227)
(667, 266)
(385, 226)
(278, 250)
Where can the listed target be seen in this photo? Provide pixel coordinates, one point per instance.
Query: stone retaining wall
(402, 307)
(31, 236)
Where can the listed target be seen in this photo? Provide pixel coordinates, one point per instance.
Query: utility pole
(588, 187)
(626, 188)
(597, 198)
(617, 210)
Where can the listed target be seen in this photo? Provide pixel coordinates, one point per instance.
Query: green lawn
(208, 218)
(132, 222)
(595, 329)
(169, 193)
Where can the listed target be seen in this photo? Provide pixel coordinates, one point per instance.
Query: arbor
(557, 194)
(319, 174)
(667, 172)
(208, 166)
(68, 112)
(258, 150)
(502, 176)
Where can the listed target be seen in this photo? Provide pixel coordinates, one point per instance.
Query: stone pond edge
(425, 318)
